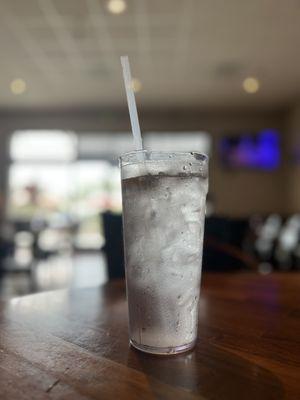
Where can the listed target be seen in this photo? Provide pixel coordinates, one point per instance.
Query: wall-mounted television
(259, 150)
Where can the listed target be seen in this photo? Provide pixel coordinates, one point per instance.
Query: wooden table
(74, 345)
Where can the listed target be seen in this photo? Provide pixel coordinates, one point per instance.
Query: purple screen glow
(257, 151)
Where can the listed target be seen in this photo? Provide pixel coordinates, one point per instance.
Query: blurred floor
(61, 271)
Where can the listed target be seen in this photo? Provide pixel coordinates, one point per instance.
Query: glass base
(163, 350)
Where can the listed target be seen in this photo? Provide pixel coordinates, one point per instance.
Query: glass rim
(205, 157)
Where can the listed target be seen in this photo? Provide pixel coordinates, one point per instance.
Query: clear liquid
(163, 233)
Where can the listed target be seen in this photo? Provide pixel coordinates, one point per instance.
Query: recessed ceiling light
(116, 6)
(18, 86)
(136, 85)
(251, 85)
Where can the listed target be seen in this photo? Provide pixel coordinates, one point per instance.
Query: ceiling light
(18, 86)
(136, 85)
(116, 6)
(251, 85)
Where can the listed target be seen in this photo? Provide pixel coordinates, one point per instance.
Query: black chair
(113, 249)
(223, 245)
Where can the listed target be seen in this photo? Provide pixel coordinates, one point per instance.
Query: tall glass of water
(163, 223)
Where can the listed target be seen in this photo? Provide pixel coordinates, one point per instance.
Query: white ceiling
(187, 53)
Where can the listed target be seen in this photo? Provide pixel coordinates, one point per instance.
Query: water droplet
(184, 167)
(190, 164)
(179, 296)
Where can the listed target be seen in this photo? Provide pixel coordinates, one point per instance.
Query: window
(43, 146)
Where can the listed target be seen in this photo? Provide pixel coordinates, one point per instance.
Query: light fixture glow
(116, 6)
(136, 85)
(251, 85)
(18, 86)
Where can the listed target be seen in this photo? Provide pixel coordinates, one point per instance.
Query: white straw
(137, 137)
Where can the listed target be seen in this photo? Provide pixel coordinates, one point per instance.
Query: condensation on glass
(163, 222)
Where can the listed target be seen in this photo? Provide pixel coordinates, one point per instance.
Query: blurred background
(217, 77)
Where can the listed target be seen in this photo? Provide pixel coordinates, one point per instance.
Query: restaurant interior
(222, 79)
(212, 80)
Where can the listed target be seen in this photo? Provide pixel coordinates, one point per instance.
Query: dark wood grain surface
(74, 345)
